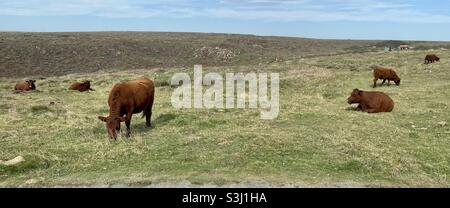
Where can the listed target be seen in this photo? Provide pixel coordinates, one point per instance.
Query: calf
(126, 99)
(371, 102)
(385, 74)
(431, 58)
(83, 86)
(25, 85)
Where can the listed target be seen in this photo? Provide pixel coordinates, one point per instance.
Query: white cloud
(261, 10)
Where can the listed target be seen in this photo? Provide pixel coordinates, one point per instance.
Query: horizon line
(216, 33)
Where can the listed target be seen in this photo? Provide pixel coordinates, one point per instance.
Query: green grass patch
(40, 109)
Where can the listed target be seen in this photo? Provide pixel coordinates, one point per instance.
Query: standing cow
(25, 85)
(81, 86)
(371, 102)
(431, 58)
(126, 99)
(385, 74)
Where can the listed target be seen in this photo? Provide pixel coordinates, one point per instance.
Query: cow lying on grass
(25, 85)
(126, 99)
(371, 102)
(385, 74)
(81, 86)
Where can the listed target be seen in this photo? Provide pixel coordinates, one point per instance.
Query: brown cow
(83, 86)
(431, 58)
(385, 74)
(371, 102)
(126, 99)
(25, 85)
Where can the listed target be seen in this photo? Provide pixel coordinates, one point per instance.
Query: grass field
(317, 140)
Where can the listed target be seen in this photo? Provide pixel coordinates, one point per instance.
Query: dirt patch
(187, 184)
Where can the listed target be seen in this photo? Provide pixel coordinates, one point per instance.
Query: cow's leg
(370, 110)
(148, 116)
(384, 80)
(389, 82)
(148, 111)
(128, 122)
(359, 108)
(375, 82)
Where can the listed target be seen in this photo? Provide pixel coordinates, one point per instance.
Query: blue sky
(341, 19)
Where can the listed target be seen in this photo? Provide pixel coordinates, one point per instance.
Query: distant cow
(371, 102)
(25, 85)
(126, 99)
(404, 47)
(384, 74)
(431, 58)
(81, 86)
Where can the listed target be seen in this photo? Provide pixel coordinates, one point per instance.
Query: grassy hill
(317, 140)
(47, 54)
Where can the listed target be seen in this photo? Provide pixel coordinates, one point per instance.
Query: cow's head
(87, 85)
(397, 80)
(112, 125)
(31, 85)
(437, 58)
(355, 97)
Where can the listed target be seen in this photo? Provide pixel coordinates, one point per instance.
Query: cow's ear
(359, 92)
(102, 118)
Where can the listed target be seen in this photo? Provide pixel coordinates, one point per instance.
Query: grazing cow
(25, 85)
(384, 74)
(431, 58)
(371, 102)
(83, 86)
(126, 99)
